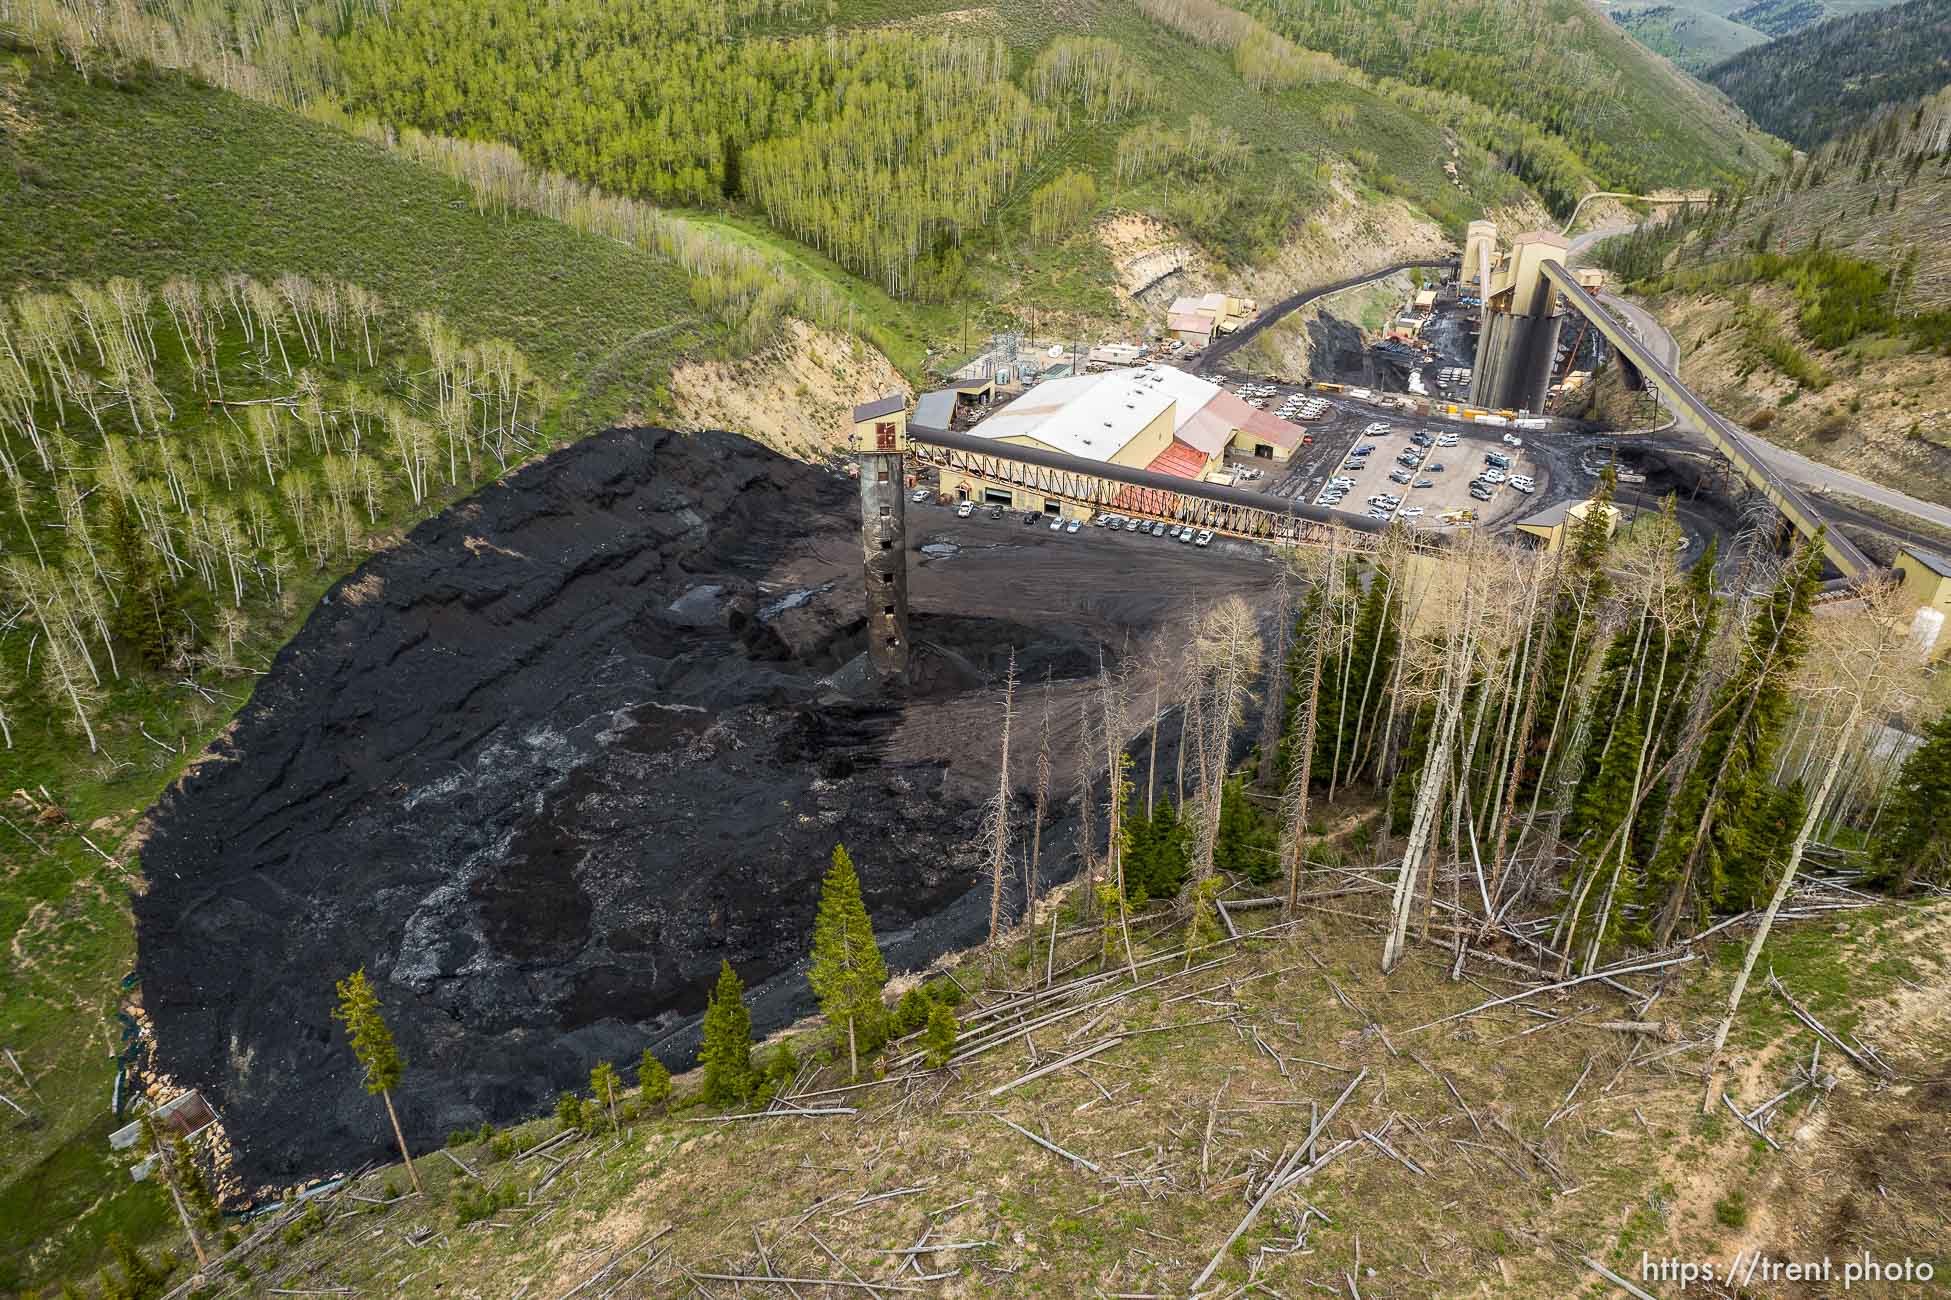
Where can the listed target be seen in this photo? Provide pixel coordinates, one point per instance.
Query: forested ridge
(1809, 85)
(1853, 232)
(898, 152)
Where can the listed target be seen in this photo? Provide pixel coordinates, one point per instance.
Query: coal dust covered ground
(542, 766)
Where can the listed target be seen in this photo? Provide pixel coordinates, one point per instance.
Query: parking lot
(1437, 477)
(1112, 529)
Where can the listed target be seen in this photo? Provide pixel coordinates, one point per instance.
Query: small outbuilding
(1549, 528)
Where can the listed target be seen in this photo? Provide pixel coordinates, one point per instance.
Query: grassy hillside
(1809, 85)
(1692, 38)
(1512, 1146)
(153, 177)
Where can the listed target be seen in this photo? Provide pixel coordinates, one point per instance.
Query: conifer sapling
(726, 1051)
(847, 973)
(372, 1043)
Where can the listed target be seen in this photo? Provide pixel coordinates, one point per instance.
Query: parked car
(1513, 440)
(1158, 530)
(1073, 525)
(1399, 476)
(1410, 512)
(1134, 525)
(1434, 467)
(1205, 537)
(1185, 536)
(1424, 483)
(1030, 517)
(920, 494)
(1056, 523)
(1526, 488)
(995, 512)
(1447, 440)
(964, 510)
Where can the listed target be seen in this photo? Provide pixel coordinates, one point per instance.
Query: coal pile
(542, 766)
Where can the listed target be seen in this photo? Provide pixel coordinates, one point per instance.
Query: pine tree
(938, 1036)
(1914, 846)
(142, 617)
(726, 1050)
(1705, 860)
(1203, 928)
(1568, 633)
(138, 1279)
(195, 1187)
(1246, 845)
(1157, 855)
(173, 1166)
(372, 1044)
(847, 972)
(604, 1085)
(654, 1081)
(780, 1069)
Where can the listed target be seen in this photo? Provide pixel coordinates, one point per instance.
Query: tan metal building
(1551, 526)
(1924, 580)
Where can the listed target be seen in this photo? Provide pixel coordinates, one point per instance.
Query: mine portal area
(1517, 349)
(1844, 554)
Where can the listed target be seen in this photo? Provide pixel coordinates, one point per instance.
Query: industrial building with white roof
(1153, 417)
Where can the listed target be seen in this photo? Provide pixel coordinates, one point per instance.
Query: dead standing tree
(995, 819)
(1868, 665)
(1042, 800)
(1225, 660)
(1271, 715)
(1458, 657)
(1294, 797)
(1112, 723)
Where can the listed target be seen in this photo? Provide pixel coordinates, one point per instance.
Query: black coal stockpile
(540, 768)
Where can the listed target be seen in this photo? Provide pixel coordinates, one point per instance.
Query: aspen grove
(175, 458)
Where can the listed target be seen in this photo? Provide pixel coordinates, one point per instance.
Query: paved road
(1791, 465)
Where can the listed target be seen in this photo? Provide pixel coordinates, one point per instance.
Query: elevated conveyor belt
(1843, 553)
(1104, 486)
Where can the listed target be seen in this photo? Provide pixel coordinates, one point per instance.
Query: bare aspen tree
(1458, 660)
(1274, 708)
(1042, 779)
(995, 821)
(1225, 660)
(1111, 705)
(1547, 594)
(1086, 794)
(1867, 661)
(1300, 778)
(1151, 774)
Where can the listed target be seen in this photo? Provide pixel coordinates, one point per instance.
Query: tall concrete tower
(880, 444)
(1519, 337)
